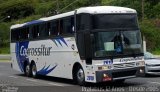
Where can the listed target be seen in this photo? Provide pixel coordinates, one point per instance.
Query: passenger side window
(14, 35)
(24, 33)
(48, 29)
(54, 27)
(83, 22)
(35, 31)
(67, 25)
(43, 30)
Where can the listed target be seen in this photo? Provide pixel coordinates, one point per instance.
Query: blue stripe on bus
(17, 56)
(59, 40)
(45, 70)
(62, 39)
(21, 59)
(55, 42)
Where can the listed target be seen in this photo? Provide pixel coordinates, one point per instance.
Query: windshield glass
(107, 21)
(112, 43)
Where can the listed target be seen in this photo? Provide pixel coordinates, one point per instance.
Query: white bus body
(57, 56)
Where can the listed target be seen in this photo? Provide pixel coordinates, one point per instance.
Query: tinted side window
(83, 21)
(48, 29)
(80, 44)
(35, 31)
(60, 27)
(71, 29)
(21, 34)
(24, 33)
(68, 25)
(14, 35)
(43, 30)
(54, 27)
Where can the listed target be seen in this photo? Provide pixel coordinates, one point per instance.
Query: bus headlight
(140, 63)
(104, 67)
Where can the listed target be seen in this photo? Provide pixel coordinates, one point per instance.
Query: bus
(90, 44)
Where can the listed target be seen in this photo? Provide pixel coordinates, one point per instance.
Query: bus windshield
(113, 43)
(111, 21)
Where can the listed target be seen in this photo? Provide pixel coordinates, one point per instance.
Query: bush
(4, 50)
(44, 8)
(16, 9)
(151, 33)
(4, 34)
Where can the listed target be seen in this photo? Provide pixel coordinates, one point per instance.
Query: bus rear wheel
(79, 76)
(34, 70)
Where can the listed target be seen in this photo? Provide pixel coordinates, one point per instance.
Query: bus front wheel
(79, 76)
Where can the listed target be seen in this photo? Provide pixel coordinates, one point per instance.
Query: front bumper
(119, 74)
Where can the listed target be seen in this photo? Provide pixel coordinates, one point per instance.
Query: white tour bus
(90, 44)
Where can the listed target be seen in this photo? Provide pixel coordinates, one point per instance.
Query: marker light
(104, 67)
(140, 63)
(141, 71)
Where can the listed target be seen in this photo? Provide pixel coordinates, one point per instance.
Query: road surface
(13, 81)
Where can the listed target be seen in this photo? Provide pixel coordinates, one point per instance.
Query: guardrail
(5, 57)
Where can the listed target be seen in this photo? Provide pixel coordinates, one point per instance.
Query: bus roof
(90, 10)
(105, 9)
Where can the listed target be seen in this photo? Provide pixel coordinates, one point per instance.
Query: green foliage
(27, 19)
(151, 33)
(17, 8)
(68, 5)
(44, 8)
(107, 2)
(151, 7)
(4, 34)
(4, 50)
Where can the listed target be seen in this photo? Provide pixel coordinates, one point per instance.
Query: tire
(27, 71)
(120, 81)
(146, 75)
(34, 70)
(79, 76)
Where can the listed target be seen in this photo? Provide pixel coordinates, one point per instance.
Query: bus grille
(124, 65)
(124, 73)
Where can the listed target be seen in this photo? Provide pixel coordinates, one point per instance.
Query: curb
(5, 57)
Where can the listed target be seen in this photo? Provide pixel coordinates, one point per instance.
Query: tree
(17, 9)
(4, 34)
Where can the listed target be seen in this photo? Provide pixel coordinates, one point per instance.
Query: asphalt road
(13, 81)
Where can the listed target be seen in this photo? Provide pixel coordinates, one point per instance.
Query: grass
(1, 60)
(156, 52)
(4, 50)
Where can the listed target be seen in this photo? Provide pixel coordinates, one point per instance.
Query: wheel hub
(27, 69)
(34, 70)
(80, 75)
